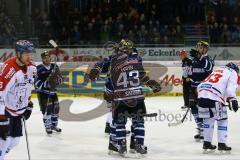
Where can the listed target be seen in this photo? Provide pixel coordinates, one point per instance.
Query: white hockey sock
(3, 147)
(208, 128)
(109, 117)
(222, 131)
(14, 141)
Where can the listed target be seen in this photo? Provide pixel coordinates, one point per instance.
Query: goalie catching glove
(233, 104)
(93, 74)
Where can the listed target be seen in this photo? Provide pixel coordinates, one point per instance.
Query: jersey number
(123, 79)
(213, 78)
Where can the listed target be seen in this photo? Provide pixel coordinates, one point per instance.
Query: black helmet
(202, 43)
(233, 66)
(44, 54)
(125, 45)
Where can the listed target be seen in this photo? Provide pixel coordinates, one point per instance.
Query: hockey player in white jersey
(219, 87)
(16, 83)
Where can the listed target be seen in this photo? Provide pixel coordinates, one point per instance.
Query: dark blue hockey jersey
(201, 68)
(41, 80)
(104, 67)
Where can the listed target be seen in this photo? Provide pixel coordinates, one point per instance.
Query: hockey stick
(54, 44)
(26, 135)
(181, 121)
(150, 115)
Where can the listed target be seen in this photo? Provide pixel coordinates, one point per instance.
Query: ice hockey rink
(86, 140)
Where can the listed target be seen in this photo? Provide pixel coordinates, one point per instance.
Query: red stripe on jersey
(2, 117)
(211, 92)
(8, 69)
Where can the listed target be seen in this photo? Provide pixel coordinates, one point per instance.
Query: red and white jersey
(16, 86)
(219, 85)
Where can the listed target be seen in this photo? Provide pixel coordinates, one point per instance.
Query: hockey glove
(93, 74)
(156, 87)
(108, 96)
(55, 79)
(194, 53)
(4, 128)
(28, 111)
(233, 104)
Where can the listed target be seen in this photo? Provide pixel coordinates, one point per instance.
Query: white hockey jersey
(16, 86)
(222, 83)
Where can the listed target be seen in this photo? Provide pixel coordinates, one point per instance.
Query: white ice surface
(86, 140)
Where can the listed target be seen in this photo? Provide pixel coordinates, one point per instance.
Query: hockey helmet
(24, 46)
(44, 54)
(233, 66)
(203, 44)
(125, 45)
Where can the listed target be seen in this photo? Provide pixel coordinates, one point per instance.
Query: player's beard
(28, 61)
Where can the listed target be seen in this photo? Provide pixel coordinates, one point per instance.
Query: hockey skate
(198, 137)
(224, 149)
(56, 129)
(132, 145)
(141, 150)
(49, 131)
(112, 148)
(122, 150)
(208, 147)
(184, 107)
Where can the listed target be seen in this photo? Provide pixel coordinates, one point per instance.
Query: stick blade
(53, 43)
(174, 124)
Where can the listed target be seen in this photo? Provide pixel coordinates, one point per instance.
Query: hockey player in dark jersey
(46, 82)
(186, 67)
(104, 66)
(128, 76)
(202, 66)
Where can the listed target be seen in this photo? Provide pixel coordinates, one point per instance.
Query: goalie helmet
(233, 66)
(24, 46)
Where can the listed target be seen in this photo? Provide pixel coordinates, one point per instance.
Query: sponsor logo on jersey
(3, 68)
(209, 86)
(10, 73)
(198, 70)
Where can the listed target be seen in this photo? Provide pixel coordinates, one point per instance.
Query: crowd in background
(7, 29)
(224, 22)
(142, 21)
